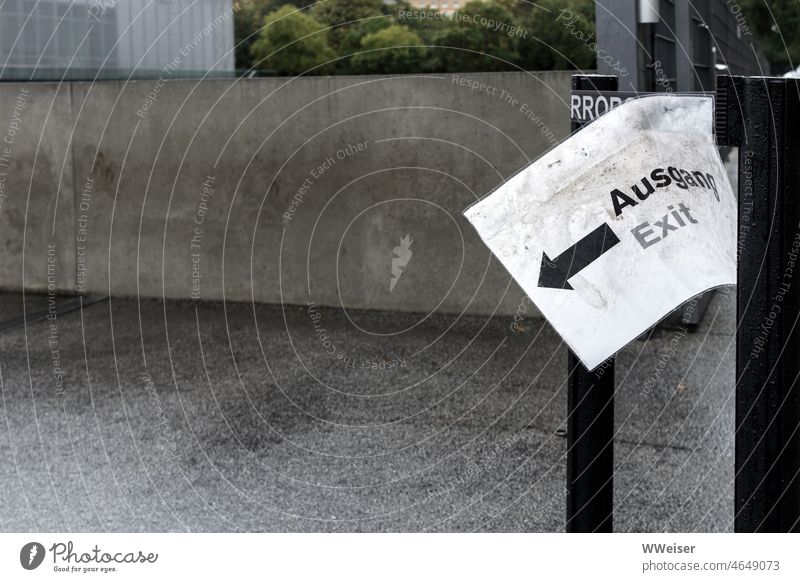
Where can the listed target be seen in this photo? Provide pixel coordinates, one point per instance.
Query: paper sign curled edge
(616, 227)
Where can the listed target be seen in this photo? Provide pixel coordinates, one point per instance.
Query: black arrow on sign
(555, 272)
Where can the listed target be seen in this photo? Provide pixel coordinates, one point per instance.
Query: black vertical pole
(590, 420)
(762, 116)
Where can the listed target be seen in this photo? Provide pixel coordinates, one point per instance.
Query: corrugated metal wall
(693, 41)
(51, 39)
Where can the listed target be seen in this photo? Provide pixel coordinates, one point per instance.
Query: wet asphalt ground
(174, 416)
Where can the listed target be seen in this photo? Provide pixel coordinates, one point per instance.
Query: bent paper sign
(619, 225)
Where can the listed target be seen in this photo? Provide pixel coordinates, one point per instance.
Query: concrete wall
(259, 189)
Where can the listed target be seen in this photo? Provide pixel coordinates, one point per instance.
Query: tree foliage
(339, 12)
(392, 50)
(291, 43)
(483, 39)
(776, 27)
(247, 23)
(484, 35)
(562, 41)
(350, 43)
(344, 17)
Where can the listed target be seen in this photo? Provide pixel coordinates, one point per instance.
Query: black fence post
(762, 117)
(590, 415)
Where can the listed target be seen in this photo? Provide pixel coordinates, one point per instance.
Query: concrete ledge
(273, 190)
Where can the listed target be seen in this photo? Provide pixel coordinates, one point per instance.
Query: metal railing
(760, 116)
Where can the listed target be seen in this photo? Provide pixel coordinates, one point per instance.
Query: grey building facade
(84, 39)
(677, 45)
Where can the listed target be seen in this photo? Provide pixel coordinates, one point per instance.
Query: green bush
(483, 38)
(560, 38)
(392, 50)
(292, 43)
(491, 35)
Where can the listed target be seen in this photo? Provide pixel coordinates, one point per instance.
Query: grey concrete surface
(156, 413)
(36, 187)
(180, 416)
(112, 174)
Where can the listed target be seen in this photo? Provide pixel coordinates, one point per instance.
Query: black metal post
(762, 117)
(590, 420)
